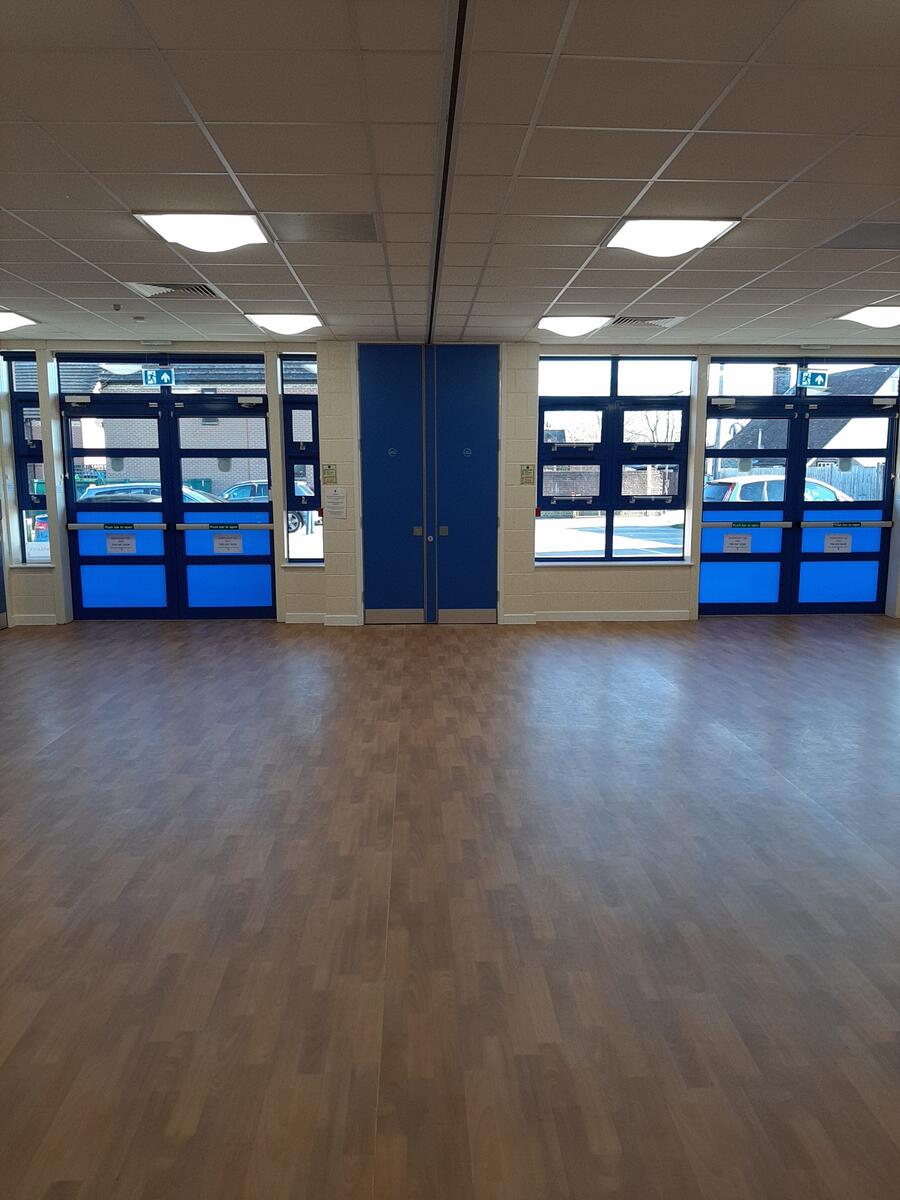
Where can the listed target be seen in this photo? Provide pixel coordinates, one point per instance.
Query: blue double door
(168, 507)
(797, 505)
(429, 455)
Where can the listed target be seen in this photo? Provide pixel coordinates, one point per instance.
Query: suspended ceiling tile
(408, 227)
(572, 197)
(563, 231)
(588, 92)
(60, 85)
(399, 25)
(267, 86)
(531, 26)
(310, 149)
(117, 226)
(313, 275)
(341, 253)
(810, 201)
(405, 149)
(526, 277)
(512, 255)
(409, 254)
(26, 147)
(407, 193)
(32, 250)
(833, 33)
(729, 30)
(738, 258)
(470, 227)
(236, 25)
(102, 24)
(717, 200)
(870, 160)
(502, 89)
(605, 278)
(478, 193)
(801, 235)
(804, 100)
(51, 191)
(597, 153)
(403, 87)
(747, 156)
(400, 276)
(311, 193)
(275, 293)
(464, 254)
(488, 149)
(176, 193)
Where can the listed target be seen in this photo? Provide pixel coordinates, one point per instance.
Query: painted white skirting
(516, 619)
(662, 614)
(304, 618)
(343, 619)
(31, 619)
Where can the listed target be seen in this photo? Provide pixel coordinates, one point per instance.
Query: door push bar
(222, 527)
(116, 526)
(846, 524)
(748, 524)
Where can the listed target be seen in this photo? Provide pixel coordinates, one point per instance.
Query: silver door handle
(224, 528)
(430, 537)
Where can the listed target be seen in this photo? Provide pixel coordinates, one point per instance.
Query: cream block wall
(528, 592)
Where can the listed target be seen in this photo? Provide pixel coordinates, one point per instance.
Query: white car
(758, 489)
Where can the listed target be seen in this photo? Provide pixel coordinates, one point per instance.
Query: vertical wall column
(693, 532)
(519, 433)
(54, 472)
(276, 475)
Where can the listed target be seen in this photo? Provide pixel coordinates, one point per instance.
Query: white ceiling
(572, 114)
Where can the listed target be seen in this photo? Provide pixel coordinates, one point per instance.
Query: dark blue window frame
(26, 452)
(300, 454)
(612, 454)
(798, 405)
(168, 403)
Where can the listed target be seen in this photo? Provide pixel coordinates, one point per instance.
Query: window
(612, 458)
(28, 450)
(301, 454)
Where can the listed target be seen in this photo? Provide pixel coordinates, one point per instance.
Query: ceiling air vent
(657, 322)
(198, 291)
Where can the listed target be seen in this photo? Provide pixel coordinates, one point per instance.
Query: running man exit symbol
(157, 376)
(814, 379)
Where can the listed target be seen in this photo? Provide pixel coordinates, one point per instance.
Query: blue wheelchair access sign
(158, 376)
(815, 379)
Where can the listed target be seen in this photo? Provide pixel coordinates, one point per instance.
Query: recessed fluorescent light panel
(884, 317)
(210, 233)
(11, 320)
(666, 239)
(573, 326)
(283, 323)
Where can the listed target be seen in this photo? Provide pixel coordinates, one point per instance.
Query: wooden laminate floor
(555, 913)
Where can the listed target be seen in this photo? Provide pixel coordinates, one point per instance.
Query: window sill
(41, 566)
(302, 566)
(544, 563)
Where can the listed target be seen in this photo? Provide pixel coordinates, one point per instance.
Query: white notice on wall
(228, 543)
(121, 543)
(737, 543)
(334, 502)
(838, 543)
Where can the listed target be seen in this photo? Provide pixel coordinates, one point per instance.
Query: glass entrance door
(797, 502)
(169, 509)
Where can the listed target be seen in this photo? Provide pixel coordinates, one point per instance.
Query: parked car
(258, 489)
(142, 493)
(750, 489)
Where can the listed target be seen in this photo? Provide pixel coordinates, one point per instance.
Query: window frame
(612, 454)
(303, 454)
(25, 453)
